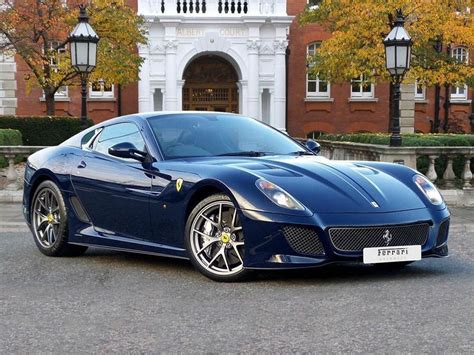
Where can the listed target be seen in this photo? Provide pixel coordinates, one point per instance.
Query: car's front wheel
(215, 239)
(49, 222)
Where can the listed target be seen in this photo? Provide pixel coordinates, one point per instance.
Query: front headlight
(427, 187)
(278, 196)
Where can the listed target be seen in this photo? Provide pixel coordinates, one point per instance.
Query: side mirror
(128, 151)
(313, 146)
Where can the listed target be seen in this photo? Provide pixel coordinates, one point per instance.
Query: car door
(115, 191)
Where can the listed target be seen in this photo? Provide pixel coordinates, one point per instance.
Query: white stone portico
(250, 36)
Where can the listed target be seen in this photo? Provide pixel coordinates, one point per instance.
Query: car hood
(326, 186)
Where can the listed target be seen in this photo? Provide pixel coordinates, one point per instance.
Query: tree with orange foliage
(359, 27)
(37, 31)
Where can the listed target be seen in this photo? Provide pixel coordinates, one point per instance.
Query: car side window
(119, 133)
(88, 139)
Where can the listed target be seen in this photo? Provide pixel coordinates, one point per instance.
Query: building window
(420, 91)
(315, 87)
(313, 4)
(362, 88)
(459, 93)
(101, 89)
(460, 54)
(315, 134)
(62, 92)
(56, 51)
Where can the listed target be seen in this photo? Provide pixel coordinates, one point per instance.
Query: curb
(7, 196)
(458, 198)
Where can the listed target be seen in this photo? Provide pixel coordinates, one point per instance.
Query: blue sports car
(229, 193)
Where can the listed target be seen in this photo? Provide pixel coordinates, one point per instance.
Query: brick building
(234, 57)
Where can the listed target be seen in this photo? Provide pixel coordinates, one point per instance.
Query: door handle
(82, 165)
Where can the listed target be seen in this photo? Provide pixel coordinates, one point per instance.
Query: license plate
(392, 254)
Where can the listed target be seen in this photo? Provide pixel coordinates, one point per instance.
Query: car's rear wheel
(49, 222)
(215, 239)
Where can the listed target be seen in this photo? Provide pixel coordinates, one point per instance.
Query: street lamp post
(83, 41)
(397, 60)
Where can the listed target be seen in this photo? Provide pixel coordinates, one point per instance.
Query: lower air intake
(442, 237)
(303, 240)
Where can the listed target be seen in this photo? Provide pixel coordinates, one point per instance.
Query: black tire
(60, 246)
(239, 273)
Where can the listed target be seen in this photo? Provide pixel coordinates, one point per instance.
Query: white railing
(214, 7)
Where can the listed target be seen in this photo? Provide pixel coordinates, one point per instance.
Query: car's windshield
(209, 134)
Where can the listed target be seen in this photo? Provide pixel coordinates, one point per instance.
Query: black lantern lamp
(83, 41)
(398, 45)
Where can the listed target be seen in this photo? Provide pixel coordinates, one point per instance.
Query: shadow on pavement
(334, 273)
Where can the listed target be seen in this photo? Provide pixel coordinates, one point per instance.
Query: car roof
(147, 115)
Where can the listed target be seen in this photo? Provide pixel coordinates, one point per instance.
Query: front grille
(442, 233)
(356, 239)
(303, 240)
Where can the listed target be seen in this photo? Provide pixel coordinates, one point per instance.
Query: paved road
(109, 301)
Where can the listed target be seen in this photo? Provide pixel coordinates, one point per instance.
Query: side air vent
(79, 210)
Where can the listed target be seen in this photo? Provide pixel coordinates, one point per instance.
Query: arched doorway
(210, 85)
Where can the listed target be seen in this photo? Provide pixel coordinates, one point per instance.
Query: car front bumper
(269, 245)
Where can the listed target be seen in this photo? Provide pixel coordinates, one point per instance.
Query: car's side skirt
(129, 250)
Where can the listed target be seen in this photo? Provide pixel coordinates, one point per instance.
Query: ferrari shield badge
(179, 184)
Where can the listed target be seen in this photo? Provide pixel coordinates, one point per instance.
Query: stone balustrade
(407, 156)
(10, 153)
(337, 151)
(212, 8)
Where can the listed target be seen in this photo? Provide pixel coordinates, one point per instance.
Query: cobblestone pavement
(117, 302)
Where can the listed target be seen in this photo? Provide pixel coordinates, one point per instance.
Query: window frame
(456, 55)
(313, 6)
(101, 94)
(362, 95)
(59, 94)
(318, 93)
(418, 96)
(456, 96)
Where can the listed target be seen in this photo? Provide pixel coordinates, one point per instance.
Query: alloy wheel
(46, 217)
(217, 239)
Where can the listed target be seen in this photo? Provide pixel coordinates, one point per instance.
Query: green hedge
(416, 140)
(408, 140)
(43, 130)
(9, 137)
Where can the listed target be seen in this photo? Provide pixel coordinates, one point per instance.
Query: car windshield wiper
(249, 153)
(301, 152)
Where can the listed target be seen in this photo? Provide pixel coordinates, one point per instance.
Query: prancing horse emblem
(387, 236)
(179, 184)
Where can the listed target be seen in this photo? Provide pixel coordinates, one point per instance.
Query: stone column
(253, 108)
(279, 98)
(179, 94)
(144, 100)
(243, 102)
(407, 108)
(171, 86)
(8, 101)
